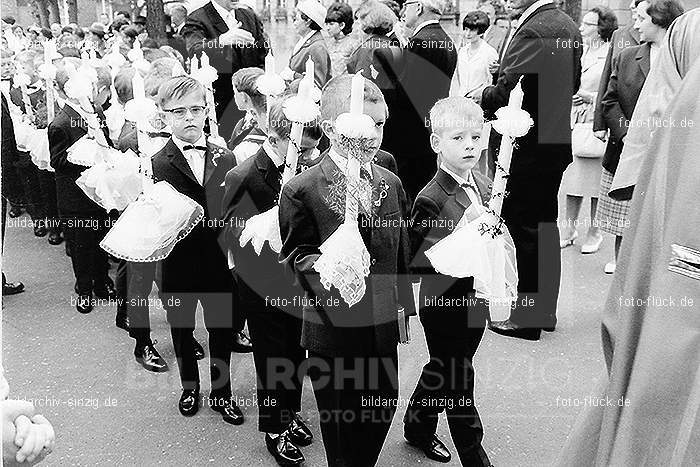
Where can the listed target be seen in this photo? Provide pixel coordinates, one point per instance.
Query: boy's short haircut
(281, 126)
(245, 81)
(104, 75)
(62, 71)
(122, 84)
(458, 110)
(178, 87)
(151, 55)
(157, 76)
(335, 98)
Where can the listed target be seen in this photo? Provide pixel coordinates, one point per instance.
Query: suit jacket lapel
(216, 20)
(643, 59)
(177, 160)
(451, 187)
(268, 170)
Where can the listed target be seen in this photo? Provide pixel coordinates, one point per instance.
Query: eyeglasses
(181, 112)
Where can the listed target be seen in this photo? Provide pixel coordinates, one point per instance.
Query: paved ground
(106, 409)
(80, 370)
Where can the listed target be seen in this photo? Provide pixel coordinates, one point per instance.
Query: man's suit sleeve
(598, 118)
(300, 241)
(231, 206)
(59, 142)
(405, 290)
(612, 111)
(423, 234)
(521, 57)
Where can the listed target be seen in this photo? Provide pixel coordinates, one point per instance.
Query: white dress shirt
(342, 162)
(195, 157)
(470, 190)
(229, 16)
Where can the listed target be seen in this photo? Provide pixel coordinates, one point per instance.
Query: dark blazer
(67, 128)
(177, 42)
(252, 188)
(9, 156)
(436, 213)
(315, 47)
(621, 39)
(551, 74)
(630, 70)
(201, 32)
(37, 98)
(306, 221)
(428, 63)
(379, 61)
(197, 263)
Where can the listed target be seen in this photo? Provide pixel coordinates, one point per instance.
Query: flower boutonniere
(217, 152)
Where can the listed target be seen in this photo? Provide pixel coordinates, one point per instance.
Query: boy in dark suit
(196, 269)
(253, 188)
(452, 331)
(85, 222)
(352, 351)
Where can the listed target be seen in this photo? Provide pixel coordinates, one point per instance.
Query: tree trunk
(72, 11)
(55, 13)
(572, 8)
(155, 21)
(40, 12)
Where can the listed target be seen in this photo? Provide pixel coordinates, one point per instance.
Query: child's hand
(35, 438)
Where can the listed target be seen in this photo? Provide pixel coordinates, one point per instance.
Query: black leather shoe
(189, 402)
(40, 230)
(149, 358)
(84, 303)
(198, 349)
(241, 343)
(122, 321)
(15, 211)
(549, 329)
(283, 449)
(299, 433)
(11, 288)
(105, 290)
(510, 329)
(433, 448)
(55, 238)
(228, 409)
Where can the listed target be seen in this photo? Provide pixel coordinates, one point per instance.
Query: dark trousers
(356, 399)
(278, 358)
(530, 211)
(134, 282)
(29, 178)
(84, 232)
(447, 382)
(181, 309)
(47, 185)
(239, 310)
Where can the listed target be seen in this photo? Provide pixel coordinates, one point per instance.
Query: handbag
(583, 141)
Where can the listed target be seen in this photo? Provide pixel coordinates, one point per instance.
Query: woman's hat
(314, 10)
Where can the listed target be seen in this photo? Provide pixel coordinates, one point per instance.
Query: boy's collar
(202, 141)
(272, 153)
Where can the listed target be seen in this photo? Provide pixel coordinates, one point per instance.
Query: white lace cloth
(38, 147)
(115, 183)
(466, 252)
(151, 226)
(344, 261)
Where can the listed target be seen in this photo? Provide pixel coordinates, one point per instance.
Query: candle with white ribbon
(305, 89)
(213, 121)
(49, 54)
(505, 154)
(139, 93)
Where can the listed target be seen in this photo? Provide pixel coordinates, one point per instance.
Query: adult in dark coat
(630, 70)
(203, 32)
(621, 39)
(545, 52)
(428, 63)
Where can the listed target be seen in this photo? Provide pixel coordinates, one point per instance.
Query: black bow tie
(470, 185)
(191, 146)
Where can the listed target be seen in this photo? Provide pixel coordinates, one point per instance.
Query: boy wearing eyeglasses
(196, 270)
